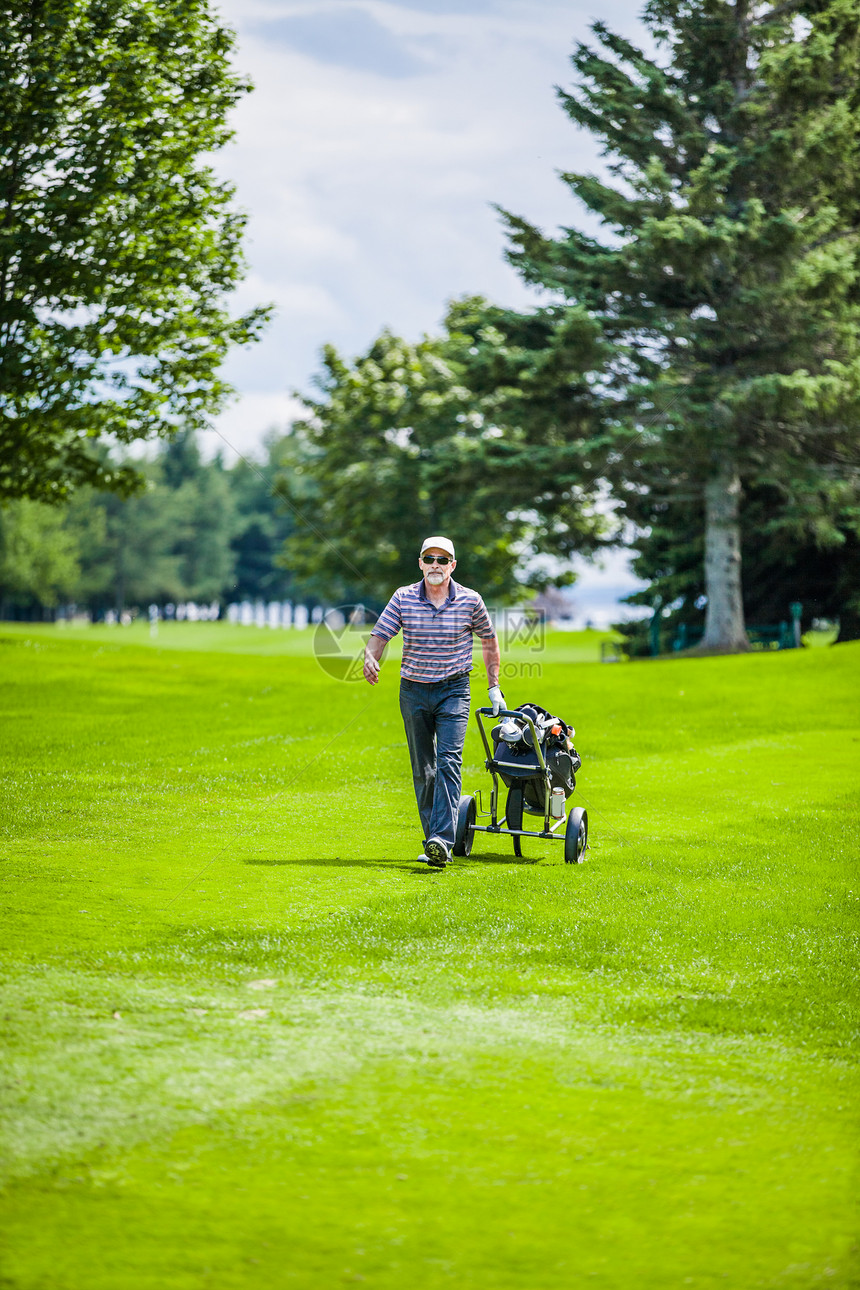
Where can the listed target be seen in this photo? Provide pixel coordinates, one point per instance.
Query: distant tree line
(199, 531)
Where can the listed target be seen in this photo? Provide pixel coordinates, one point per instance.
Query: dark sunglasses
(440, 559)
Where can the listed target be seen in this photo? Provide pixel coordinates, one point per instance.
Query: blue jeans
(436, 714)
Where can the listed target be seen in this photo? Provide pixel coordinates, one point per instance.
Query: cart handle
(509, 712)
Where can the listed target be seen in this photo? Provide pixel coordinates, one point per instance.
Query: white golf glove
(497, 699)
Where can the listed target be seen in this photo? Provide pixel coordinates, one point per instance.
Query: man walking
(438, 617)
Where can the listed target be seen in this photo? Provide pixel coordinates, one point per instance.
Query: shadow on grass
(409, 866)
(496, 857)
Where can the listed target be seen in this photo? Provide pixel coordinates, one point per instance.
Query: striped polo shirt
(437, 643)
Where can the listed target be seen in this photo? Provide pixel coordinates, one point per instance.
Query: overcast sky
(378, 136)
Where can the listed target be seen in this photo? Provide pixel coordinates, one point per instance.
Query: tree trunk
(725, 630)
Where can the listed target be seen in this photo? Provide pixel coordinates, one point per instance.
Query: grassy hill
(251, 1042)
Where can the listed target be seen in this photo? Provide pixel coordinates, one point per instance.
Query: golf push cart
(533, 754)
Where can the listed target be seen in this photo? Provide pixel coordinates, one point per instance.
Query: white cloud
(370, 196)
(240, 429)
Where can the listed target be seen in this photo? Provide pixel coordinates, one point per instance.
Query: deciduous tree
(39, 557)
(119, 245)
(403, 442)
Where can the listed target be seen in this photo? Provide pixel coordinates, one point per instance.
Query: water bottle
(556, 803)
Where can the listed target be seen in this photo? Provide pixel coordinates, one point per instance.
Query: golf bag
(519, 765)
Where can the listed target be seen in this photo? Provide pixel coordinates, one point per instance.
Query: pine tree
(728, 284)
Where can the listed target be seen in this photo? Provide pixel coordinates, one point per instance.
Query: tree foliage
(39, 555)
(118, 243)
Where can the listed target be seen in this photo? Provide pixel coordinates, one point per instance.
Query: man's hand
(372, 655)
(497, 699)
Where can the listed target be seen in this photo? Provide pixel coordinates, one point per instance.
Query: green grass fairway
(250, 1042)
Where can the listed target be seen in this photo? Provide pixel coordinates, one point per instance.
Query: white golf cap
(443, 543)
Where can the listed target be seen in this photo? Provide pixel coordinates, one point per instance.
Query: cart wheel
(576, 836)
(466, 816)
(514, 815)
